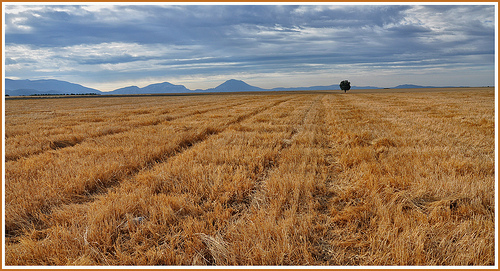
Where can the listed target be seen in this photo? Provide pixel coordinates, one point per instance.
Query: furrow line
(183, 146)
(259, 195)
(32, 212)
(70, 141)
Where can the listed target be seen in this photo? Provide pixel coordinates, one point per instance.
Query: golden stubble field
(320, 178)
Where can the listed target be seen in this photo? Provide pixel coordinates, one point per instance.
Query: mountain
(164, 87)
(51, 86)
(125, 90)
(233, 85)
(363, 87)
(417, 86)
(411, 86)
(55, 87)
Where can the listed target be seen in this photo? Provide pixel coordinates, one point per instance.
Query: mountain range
(57, 87)
(38, 87)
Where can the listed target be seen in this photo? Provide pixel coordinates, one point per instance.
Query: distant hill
(233, 85)
(417, 86)
(125, 90)
(411, 86)
(164, 87)
(55, 87)
(50, 86)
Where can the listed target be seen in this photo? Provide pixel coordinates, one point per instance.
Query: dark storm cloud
(150, 24)
(183, 25)
(144, 40)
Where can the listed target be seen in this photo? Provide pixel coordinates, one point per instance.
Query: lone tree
(345, 85)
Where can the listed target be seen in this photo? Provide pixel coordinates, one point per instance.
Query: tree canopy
(345, 85)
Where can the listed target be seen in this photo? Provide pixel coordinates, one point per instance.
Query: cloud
(112, 42)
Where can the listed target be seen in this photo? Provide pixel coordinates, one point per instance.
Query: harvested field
(303, 178)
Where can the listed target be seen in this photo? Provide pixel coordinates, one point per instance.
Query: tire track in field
(238, 204)
(190, 145)
(310, 134)
(272, 186)
(381, 125)
(18, 220)
(256, 198)
(75, 140)
(260, 194)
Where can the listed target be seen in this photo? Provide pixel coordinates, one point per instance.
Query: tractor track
(30, 220)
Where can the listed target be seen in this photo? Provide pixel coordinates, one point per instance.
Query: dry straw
(284, 179)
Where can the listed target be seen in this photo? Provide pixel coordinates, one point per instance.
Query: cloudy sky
(200, 46)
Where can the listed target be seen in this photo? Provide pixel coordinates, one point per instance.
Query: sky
(109, 46)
